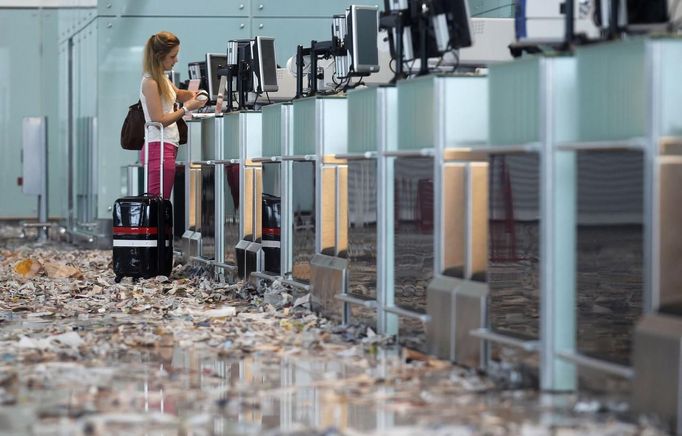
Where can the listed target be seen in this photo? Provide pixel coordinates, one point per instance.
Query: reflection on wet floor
(86, 356)
(201, 390)
(173, 390)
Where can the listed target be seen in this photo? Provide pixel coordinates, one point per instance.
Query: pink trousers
(170, 151)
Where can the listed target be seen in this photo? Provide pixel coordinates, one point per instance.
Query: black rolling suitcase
(143, 230)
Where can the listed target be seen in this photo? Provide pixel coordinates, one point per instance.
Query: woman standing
(158, 96)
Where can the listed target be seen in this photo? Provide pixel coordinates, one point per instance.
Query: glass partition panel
(303, 204)
(362, 234)
(514, 244)
(610, 254)
(231, 203)
(413, 231)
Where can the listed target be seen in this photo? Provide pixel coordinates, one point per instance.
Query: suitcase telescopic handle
(147, 125)
(161, 213)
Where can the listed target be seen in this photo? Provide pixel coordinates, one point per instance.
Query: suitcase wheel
(117, 279)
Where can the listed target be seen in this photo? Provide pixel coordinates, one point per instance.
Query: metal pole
(557, 249)
(312, 75)
(569, 6)
(71, 221)
(299, 71)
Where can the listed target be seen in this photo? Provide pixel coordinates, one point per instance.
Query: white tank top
(170, 133)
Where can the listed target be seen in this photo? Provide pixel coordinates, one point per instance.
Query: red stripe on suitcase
(271, 231)
(136, 231)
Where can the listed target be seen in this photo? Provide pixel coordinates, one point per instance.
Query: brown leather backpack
(132, 131)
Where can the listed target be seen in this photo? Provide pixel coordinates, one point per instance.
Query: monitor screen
(642, 12)
(635, 15)
(197, 70)
(412, 37)
(459, 27)
(265, 65)
(214, 61)
(364, 29)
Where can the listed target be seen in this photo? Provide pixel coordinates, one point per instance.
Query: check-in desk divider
(433, 113)
(227, 202)
(319, 201)
(372, 125)
(276, 176)
(190, 154)
(206, 189)
(409, 224)
(531, 196)
(457, 295)
(249, 250)
(180, 196)
(629, 169)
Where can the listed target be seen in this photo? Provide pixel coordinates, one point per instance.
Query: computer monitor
(426, 20)
(264, 65)
(214, 61)
(634, 15)
(362, 23)
(649, 12)
(197, 70)
(451, 24)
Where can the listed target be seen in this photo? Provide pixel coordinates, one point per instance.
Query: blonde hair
(157, 47)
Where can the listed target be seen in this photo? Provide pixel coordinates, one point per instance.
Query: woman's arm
(151, 94)
(183, 94)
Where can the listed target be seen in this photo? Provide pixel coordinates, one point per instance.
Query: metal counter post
(219, 198)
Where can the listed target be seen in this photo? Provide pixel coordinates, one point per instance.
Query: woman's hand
(194, 104)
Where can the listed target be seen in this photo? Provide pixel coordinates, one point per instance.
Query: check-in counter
(190, 239)
(531, 197)
(227, 200)
(320, 205)
(276, 220)
(629, 166)
(211, 149)
(457, 295)
(436, 115)
(372, 128)
(249, 250)
(298, 194)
